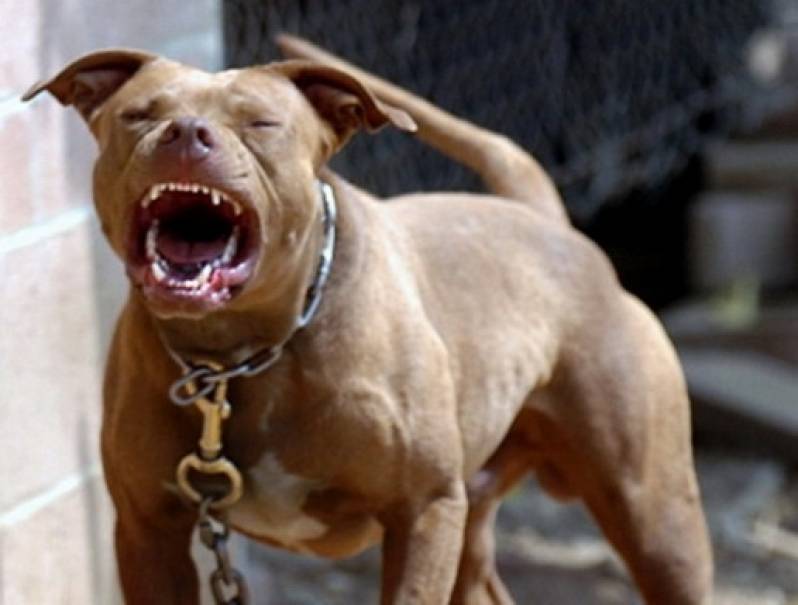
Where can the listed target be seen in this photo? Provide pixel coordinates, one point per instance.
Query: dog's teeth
(195, 188)
(157, 272)
(205, 190)
(152, 195)
(236, 206)
(151, 241)
(204, 275)
(216, 197)
(231, 247)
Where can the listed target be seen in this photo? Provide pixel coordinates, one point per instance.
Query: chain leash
(227, 584)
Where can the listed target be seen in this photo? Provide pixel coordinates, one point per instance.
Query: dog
(460, 343)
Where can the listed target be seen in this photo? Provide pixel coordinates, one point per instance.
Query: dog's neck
(230, 336)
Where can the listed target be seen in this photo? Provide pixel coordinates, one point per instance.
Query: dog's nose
(190, 137)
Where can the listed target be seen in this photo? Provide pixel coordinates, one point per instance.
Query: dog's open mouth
(192, 244)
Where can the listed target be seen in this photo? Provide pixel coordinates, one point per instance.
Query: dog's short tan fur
(463, 342)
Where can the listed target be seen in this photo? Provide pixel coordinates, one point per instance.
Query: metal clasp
(209, 461)
(220, 466)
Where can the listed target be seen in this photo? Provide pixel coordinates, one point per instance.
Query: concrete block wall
(60, 292)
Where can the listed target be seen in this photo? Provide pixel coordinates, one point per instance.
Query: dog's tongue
(181, 251)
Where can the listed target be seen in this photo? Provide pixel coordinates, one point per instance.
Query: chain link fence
(611, 96)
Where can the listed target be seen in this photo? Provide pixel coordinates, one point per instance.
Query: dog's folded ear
(89, 81)
(342, 100)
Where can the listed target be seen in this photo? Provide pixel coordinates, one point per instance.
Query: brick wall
(60, 292)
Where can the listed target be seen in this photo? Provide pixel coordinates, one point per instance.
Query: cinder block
(19, 29)
(51, 370)
(61, 553)
(17, 187)
(61, 150)
(35, 160)
(94, 25)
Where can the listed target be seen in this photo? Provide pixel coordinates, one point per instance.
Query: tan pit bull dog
(460, 343)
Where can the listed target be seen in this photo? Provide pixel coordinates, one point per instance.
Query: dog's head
(205, 184)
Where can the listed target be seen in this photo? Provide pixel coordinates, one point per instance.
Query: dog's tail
(504, 167)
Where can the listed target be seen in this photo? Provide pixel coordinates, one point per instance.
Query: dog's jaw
(192, 247)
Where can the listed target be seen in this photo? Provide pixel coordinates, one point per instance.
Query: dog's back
(505, 168)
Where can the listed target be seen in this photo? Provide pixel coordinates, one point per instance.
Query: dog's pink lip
(192, 268)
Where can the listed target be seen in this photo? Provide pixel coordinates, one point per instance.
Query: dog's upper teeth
(151, 196)
(217, 197)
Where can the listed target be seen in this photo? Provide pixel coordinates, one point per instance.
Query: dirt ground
(551, 554)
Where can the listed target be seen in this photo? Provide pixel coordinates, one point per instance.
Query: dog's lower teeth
(152, 241)
(231, 247)
(157, 272)
(204, 275)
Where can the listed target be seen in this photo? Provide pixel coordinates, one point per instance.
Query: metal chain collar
(204, 384)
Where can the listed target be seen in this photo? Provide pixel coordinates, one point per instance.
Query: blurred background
(671, 129)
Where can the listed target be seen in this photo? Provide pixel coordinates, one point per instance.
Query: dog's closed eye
(133, 115)
(263, 123)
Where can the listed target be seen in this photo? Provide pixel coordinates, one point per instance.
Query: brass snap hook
(209, 461)
(219, 466)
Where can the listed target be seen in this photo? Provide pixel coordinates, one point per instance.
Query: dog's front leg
(422, 547)
(155, 564)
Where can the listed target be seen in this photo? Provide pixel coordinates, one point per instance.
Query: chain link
(201, 380)
(227, 584)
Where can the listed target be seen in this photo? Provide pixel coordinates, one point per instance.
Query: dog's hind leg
(478, 581)
(505, 168)
(617, 428)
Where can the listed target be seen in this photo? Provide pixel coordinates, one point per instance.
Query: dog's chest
(272, 504)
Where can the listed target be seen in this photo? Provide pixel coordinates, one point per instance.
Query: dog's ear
(89, 81)
(342, 100)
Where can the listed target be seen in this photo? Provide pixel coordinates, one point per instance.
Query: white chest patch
(272, 505)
